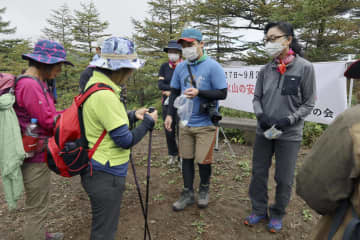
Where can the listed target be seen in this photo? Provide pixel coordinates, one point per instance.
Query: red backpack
(67, 152)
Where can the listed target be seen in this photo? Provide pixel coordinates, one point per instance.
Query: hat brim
(174, 48)
(116, 64)
(353, 71)
(45, 59)
(186, 40)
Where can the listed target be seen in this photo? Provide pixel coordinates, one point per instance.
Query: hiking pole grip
(151, 109)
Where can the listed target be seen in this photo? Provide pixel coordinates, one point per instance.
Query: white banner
(330, 84)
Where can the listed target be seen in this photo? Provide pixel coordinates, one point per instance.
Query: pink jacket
(32, 103)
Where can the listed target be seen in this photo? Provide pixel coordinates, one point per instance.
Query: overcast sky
(29, 16)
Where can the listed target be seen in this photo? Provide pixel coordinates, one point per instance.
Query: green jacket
(11, 151)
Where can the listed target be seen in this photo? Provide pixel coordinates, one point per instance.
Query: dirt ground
(222, 220)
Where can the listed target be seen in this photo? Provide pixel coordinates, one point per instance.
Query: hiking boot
(171, 160)
(54, 236)
(186, 199)
(253, 219)
(203, 199)
(275, 225)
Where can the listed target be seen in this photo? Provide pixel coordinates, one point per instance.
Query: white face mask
(190, 53)
(273, 49)
(173, 57)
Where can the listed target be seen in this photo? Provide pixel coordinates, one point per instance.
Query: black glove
(282, 123)
(265, 122)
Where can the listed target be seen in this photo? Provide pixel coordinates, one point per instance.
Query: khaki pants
(197, 143)
(37, 185)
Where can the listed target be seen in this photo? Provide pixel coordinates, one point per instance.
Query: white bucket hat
(117, 53)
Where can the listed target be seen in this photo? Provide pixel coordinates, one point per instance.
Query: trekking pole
(138, 188)
(151, 109)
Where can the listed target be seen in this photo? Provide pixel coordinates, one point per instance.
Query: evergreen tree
(60, 29)
(258, 13)
(218, 28)
(11, 50)
(60, 26)
(355, 40)
(252, 13)
(323, 27)
(4, 26)
(167, 18)
(88, 27)
(10, 55)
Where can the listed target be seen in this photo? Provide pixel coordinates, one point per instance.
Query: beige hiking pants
(37, 185)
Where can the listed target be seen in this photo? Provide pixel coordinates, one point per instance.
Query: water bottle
(31, 129)
(31, 138)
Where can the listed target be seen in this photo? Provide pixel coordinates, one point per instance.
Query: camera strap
(191, 76)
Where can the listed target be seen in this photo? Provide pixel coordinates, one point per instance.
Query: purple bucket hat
(117, 53)
(48, 52)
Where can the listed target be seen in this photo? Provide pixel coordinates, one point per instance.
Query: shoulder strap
(92, 89)
(191, 76)
(36, 79)
(92, 151)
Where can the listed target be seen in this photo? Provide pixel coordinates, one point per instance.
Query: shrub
(311, 132)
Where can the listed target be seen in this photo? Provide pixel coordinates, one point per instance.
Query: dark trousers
(285, 161)
(170, 136)
(105, 192)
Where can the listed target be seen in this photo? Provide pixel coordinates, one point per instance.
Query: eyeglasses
(273, 38)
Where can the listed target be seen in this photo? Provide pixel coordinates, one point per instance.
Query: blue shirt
(208, 75)
(95, 57)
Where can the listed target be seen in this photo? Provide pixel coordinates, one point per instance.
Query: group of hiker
(191, 84)
(104, 179)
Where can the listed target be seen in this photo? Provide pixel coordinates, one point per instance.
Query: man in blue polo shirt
(202, 80)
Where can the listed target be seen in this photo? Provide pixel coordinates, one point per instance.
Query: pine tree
(355, 40)
(218, 28)
(167, 18)
(323, 27)
(10, 55)
(252, 13)
(4, 26)
(11, 50)
(88, 27)
(60, 26)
